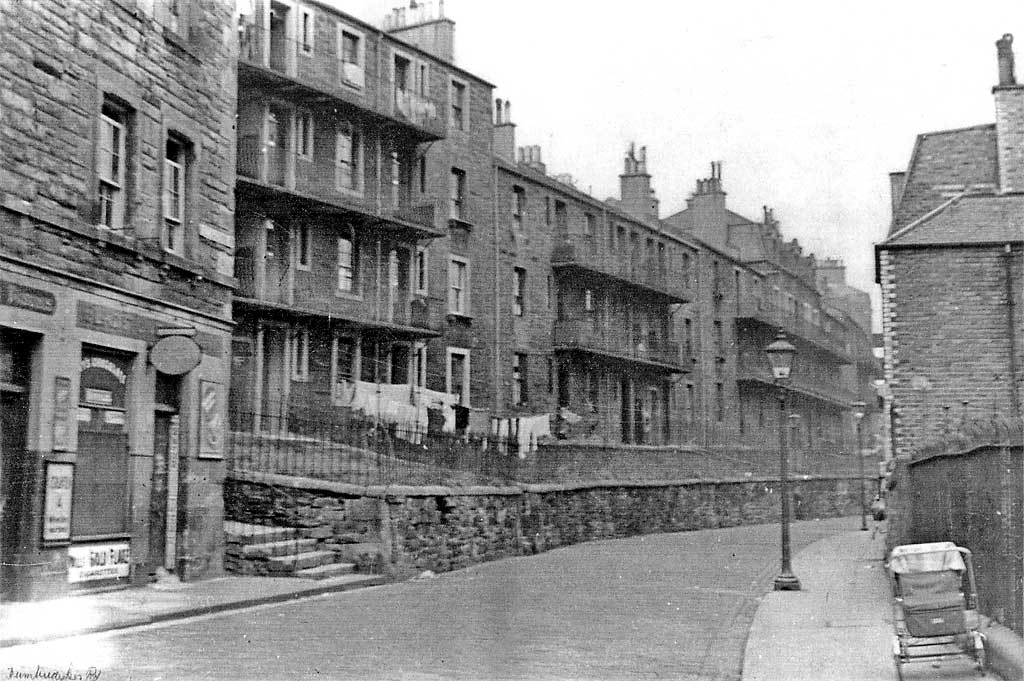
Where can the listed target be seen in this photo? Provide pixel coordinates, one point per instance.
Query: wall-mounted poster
(211, 424)
(61, 414)
(57, 503)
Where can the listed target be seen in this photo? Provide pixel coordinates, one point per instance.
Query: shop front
(111, 452)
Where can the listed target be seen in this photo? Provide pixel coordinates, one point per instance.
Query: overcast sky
(808, 104)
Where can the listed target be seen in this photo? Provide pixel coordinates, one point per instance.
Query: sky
(809, 105)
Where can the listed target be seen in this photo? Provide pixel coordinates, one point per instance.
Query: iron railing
(787, 320)
(592, 336)
(662, 273)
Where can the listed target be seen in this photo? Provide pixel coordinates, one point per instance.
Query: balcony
(759, 310)
(752, 367)
(297, 184)
(659, 275)
(584, 336)
(400, 317)
(272, 60)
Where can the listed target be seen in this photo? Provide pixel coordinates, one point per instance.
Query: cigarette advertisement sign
(98, 561)
(57, 502)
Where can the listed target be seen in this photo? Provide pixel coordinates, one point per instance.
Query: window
(306, 27)
(594, 389)
(301, 245)
(422, 270)
(719, 338)
(691, 402)
(348, 264)
(458, 286)
(519, 396)
(175, 160)
(588, 300)
(419, 359)
(300, 353)
(344, 367)
(688, 324)
(551, 284)
(719, 402)
(423, 174)
(403, 75)
(591, 228)
(518, 205)
(551, 376)
(304, 135)
(457, 375)
(350, 47)
(458, 95)
(110, 165)
(561, 217)
(518, 291)
(458, 194)
(547, 211)
(396, 180)
(348, 171)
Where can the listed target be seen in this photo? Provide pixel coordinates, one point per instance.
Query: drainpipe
(497, 295)
(1010, 313)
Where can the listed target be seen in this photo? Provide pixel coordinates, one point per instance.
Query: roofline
(926, 217)
(535, 176)
(367, 26)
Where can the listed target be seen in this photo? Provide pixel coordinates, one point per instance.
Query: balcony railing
(320, 70)
(333, 183)
(753, 366)
(785, 319)
(662, 274)
(580, 334)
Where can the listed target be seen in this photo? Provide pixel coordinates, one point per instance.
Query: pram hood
(930, 557)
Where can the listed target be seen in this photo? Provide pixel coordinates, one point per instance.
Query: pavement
(839, 626)
(685, 605)
(88, 613)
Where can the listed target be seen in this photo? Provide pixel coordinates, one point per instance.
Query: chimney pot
(497, 111)
(508, 111)
(1004, 51)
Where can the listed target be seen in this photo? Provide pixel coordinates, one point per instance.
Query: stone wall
(442, 528)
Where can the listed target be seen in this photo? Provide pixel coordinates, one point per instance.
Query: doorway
(164, 529)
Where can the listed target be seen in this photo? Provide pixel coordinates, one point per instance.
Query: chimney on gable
(707, 207)
(504, 131)
(635, 193)
(1009, 100)
(422, 26)
(531, 158)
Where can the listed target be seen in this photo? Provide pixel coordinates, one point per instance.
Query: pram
(935, 604)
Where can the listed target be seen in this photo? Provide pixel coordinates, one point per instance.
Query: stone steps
(246, 533)
(325, 571)
(285, 547)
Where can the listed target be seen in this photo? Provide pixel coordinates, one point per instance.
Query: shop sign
(98, 561)
(103, 380)
(175, 355)
(57, 502)
(34, 299)
(211, 425)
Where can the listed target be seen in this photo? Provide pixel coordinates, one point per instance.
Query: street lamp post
(780, 355)
(858, 414)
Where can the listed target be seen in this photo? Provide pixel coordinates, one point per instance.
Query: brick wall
(945, 326)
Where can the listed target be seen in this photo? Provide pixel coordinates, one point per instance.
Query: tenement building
(751, 284)
(587, 301)
(116, 223)
(363, 194)
(950, 270)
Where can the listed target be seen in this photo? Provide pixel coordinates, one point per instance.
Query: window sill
(460, 317)
(348, 295)
(459, 223)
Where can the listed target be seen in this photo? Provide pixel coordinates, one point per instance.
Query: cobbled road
(667, 606)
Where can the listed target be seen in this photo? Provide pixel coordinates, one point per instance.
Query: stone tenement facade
(951, 275)
(116, 224)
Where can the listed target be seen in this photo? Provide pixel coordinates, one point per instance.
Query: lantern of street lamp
(858, 413)
(780, 356)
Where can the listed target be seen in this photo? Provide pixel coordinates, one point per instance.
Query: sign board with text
(90, 562)
(57, 502)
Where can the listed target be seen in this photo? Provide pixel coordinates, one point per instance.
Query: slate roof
(966, 219)
(943, 164)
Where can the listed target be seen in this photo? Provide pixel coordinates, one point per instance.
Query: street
(658, 606)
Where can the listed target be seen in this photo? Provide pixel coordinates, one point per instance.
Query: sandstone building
(116, 222)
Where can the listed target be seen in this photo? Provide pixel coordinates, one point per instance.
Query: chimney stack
(635, 191)
(504, 131)
(1004, 50)
(1009, 100)
(531, 158)
(423, 27)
